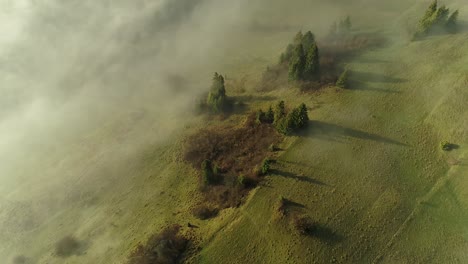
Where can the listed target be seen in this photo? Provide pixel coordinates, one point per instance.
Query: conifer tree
(298, 38)
(304, 115)
(347, 24)
(286, 56)
(270, 116)
(451, 24)
(308, 40)
(312, 63)
(280, 111)
(217, 99)
(297, 64)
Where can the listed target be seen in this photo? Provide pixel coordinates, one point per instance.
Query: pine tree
(298, 38)
(304, 116)
(280, 111)
(343, 80)
(297, 64)
(347, 24)
(286, 56)
(308, 40)
(285, 125)
(295, 119)
(440, 18)
(312, 63)
(217, 99)
(451, 24)
(270, 116)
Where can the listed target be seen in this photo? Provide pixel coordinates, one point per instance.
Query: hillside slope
(370, 169)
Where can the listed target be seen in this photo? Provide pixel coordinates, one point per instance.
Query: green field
(369, 169)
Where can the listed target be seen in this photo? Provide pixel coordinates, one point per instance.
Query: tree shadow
(327, 235)
(70, 246)
(254, 98)
(297, 177)
(335, 132)
(371, 60)
(363, 86)
(374, 77)
(291, 203)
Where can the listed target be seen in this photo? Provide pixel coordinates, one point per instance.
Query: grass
(363, 169)
(369, 171)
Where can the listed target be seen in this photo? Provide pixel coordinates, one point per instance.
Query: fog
(86, 85)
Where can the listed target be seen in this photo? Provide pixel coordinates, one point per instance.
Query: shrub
(204, 212)
(266, 164)
(242, 180)
(280, 207)
(208, 173)
(447, 146)
(164, 248)
(67, 246)
(303, 225)
(274, 148)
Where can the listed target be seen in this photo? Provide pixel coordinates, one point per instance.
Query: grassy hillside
(369, 169)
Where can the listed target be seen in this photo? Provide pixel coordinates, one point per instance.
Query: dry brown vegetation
(166, 247)
(235, 151)
(204, 212)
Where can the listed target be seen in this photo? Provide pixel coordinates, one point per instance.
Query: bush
(280, 207)
(304, 225)
(204, 212)
(67, 247)
(266, 164)
(447, 146)
(166, 247)
(274, 148)
(209, 175)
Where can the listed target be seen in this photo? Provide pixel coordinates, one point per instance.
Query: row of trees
(302, 57)
(285, 122)
(437, 19)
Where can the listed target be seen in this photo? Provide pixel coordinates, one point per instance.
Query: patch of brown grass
(235, 151)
